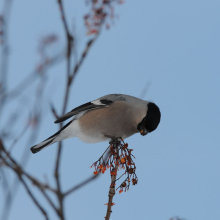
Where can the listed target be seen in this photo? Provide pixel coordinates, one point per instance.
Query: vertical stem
(68, 84)
(111, 192)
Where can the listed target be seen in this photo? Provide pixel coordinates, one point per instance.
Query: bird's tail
(36, 148)
(54, 138)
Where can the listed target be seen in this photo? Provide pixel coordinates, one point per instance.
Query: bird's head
(151, 120)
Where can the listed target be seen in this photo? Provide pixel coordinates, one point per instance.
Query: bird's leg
(114, 140)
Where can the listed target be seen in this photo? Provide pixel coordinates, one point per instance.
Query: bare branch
(4, 19)
(19, 136)
(29, 80)
(33, 198)
(112, 186)
(54, 111)
(88, 180)
(17, 167)
(19, 172)
(68, 83)
(85, 52)
(66, 96)
(78, 186)
(68, 35)
(57, 178)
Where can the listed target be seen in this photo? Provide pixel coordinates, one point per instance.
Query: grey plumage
(111, 116)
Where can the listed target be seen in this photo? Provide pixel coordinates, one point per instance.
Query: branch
(4, 19)
(19, 173)
(68, 35)
(17, 167)
(84, 54)
(90, 179)
(68, 56)
(28, 80)
(33, 198)
(54, 111)
(112, 186)
(56, 175)
(70, 78)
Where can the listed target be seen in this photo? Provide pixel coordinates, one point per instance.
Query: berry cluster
(119, 157)
(102, 12)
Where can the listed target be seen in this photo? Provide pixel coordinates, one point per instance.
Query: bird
(111, 117)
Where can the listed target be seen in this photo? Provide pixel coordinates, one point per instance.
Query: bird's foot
(114, 140)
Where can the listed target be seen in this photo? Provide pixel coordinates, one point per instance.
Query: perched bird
(109, 117)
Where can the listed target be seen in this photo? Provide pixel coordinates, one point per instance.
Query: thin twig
(68, 35)
(4, 51)
(68, 56)
(112, 188)
(49, 201)
(33, 198)
(28, 80)
(25, 156)
(39, 185)
(69, 82)
(93, 177)
(19, 136)
(31, 178)
(54, 111)
(56, 174)
(88, 180)
(19, 173)
(66, 96)
(84, 54)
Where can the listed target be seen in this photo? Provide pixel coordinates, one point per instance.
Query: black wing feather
(85, 107)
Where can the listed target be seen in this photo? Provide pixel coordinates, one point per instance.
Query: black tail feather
(34, 150)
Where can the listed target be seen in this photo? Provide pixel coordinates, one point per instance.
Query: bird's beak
(143, 132)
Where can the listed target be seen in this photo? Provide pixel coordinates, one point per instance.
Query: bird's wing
(99, 103)
(115, 97)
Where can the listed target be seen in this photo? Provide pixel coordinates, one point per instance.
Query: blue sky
(174, 46)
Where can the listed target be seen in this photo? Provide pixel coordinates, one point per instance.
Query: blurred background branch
(95, 19)
(4, 50)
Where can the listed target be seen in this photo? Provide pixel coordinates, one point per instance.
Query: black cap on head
(153, 117)
(151, 120)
